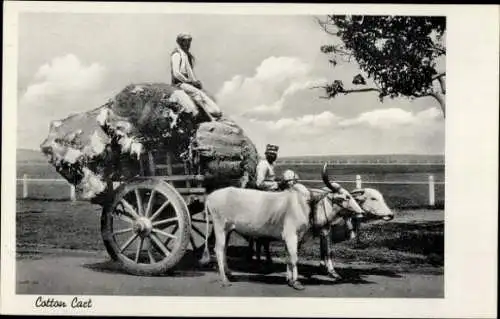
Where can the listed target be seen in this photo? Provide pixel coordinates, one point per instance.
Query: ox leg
(291, 246)
(220, 243)
(268, 253)
(226, 267)
(258, 248)
(323, 239)
(250, 249)
(329, 260)
(350, 228)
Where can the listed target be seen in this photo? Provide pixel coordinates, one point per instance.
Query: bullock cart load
(149, 156)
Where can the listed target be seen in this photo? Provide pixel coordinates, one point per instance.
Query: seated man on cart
(183, 76)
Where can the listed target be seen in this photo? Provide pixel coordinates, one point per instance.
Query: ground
(84, 273)
(60, 251)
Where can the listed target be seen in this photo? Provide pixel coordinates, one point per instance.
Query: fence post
(358, 181)
(72, 192)
(432, 199)
(25, 186)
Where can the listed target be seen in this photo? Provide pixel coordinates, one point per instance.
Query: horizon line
(313, 155)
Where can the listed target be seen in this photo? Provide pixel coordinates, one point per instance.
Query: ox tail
(205, 259)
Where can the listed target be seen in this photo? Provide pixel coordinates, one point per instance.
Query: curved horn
(334, 187)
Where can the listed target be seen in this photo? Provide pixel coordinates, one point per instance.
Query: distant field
(397, 195)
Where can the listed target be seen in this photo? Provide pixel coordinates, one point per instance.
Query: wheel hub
(143, 226)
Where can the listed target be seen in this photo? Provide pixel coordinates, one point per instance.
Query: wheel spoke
(160, 210)
(200, 220)
(198, 231)
(120, 212)
(128, 243)
(173, 231)
(151, 258)
(138, 252)
(165, 221)
(150, 203)
(193, 244)
(125, 218)
(160, 245)
(122, 231)
(157, 231)
(130, 208)
(139, 202)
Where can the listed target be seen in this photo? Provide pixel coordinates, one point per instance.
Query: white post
(432, 199)
(25, 186)
(72, 192)
(358, 181)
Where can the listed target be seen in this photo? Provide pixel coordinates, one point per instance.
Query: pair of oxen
(288, 216)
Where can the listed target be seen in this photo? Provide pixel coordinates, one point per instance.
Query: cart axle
(143, 226)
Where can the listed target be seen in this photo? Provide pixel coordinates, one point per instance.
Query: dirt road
(90, 273)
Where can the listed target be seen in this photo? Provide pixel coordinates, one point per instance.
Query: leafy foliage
(398, 53)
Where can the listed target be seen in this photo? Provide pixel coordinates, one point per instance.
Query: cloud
(59, 88)
(386, 131)
(392, 117)
(278, 106)
(275, 80)
(62, 77)
(309, 124)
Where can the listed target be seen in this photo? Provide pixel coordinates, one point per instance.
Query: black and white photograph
(167, 150)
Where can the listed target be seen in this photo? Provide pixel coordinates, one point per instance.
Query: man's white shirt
(180, 65)
(266, 176)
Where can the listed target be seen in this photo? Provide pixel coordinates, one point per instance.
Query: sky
(259, 68)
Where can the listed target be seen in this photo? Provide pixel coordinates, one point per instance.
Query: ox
(374, 206)
(286, 216)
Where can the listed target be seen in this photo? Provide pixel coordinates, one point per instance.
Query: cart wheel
(146, 228)
(199, 230)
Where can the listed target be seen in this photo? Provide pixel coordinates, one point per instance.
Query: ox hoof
(225, 284)
(334, 275)
(296, 285)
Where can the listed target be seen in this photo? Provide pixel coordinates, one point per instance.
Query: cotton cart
(151, 221)
(149, 163)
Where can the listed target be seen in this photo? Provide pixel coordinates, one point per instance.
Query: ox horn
(333, 186)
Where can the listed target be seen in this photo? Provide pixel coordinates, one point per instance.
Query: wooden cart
(151, 221)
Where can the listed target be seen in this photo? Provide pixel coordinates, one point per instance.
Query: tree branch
(324, 25)
(360, 90)
(441, 101)
(351, 90)
(438, 76)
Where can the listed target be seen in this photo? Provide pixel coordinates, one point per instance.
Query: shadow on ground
(254, 271)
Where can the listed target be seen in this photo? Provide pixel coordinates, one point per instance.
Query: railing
(359, 162)
(359, 183)
(25, 180)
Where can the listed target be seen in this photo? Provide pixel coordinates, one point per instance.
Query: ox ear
(359, 195)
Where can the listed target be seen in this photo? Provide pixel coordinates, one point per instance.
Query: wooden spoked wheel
(147, 227)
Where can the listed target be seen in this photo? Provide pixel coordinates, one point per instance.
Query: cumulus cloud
(392, 117)
(266, 92)
(308, 124)
(383, 131)
(63, 86)
(63, 76)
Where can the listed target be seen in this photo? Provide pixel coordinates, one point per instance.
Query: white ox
(374, 206)
(370, 200)
(286, 215)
